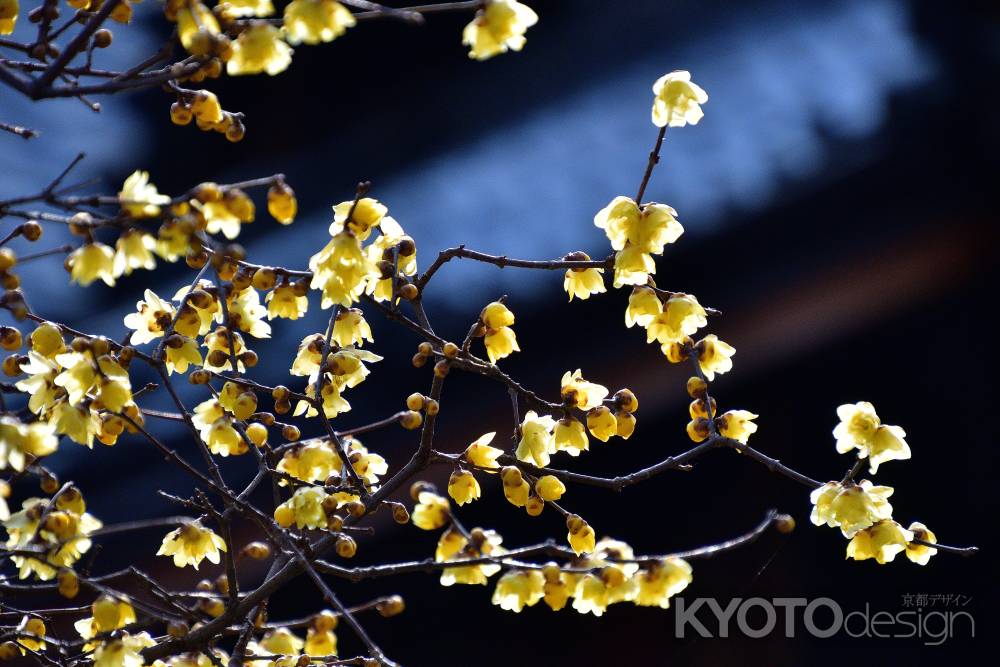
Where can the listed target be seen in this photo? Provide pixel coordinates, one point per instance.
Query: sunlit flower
(579, 393)
(282, 301)
(351, 328)
(677, 100)
(647, 228)
(305, 508)
(341, 270)
(107, 613)
(463, 487)
(518, 589)
(123, 651)
(738, 425)
(315, 21)
(190, 544)
(258, 49)
(61, 541)
(515, 488)
(20, 444)
(882, 541)
(920, 553)
(662, 580)
(92, 261)
(152, 318)
(581, 283)
(134, 250)
(480, 454)
(500, 343)
(79, 424)
(680, 317)
(181, 352)
(536, 444)
(249, 7)
(139, 198)
(714, 356)
(365, 215)
(861, 428)
(193, 19)
(633, 266)
(453, 545)
(851, 507)
(643, 306)
(581, 536)
(601, 423)
(591, 595)
(47, 340)
(431, 511)
(549, 488)
(497, 28)
(570, 436)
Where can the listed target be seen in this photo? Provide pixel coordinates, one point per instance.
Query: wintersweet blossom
(662, 580)
(258, 49)
(139, 198)
(536, 444)
(920, 553)
(92, 261)
(860, 428)
(315, 21)
(481, 454)
(518, 589)
(851, 507)
(579, 393)
(881, 541)
(677, 100)
(497, 28)
(738, 425)
(431, 512)
(152, 318)
(192, 543)
(714, 356)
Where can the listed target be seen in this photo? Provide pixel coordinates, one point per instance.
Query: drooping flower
(570, 436)
(123, 651)
(192, 543)
(601, 423)
(881, 541)
(282, 301)
(463, 487)
(579, 393)
(258, 49)
(20, 443)
(643, 306)
(714, 356)
(536, 444)
(581, 283)
(738, 425)
(677, 100)
(518, 589)
(151, 320)
(92, 261)
(341, 270)
(662, 580)
(680, 317)
(249, 7)
(497, 28)
(351, 328)
(431, 512)
(581, 536)
(315, 21)
(850, 507)
(920, 553)
(481, 454)
(134, 250)
(861, 428)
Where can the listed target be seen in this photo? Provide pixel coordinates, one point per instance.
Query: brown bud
(411, 420)
(346, 546)
(696, 387)
(390, 606)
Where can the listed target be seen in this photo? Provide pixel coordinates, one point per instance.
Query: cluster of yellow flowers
(860, 509)
(81, 390)
(210, 208)
(45, 536)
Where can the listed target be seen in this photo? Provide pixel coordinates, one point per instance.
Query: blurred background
(839, 206)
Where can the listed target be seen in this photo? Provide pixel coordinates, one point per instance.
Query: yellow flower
(219, 341)
(8, 16)
(341, 270)
(579, 393)
(61, 540)
(581, 536)
(258, 49)
(219, 218)
(311, 461)
(134, 250)
(20, 444)
(549, 488)
(517, 589)
(247, 313)
(367, 214)
(582, 283)
(181, 352)
(681, 316)
(497, 28)
(626, 424)
(139, 198)
(648, 228)
(861, 428)
(496, 315)
(192, 543)
(152, 318)
(249, 7)
(633, 266)
(480, 454)
(515, 488)
(80, 424)
(882, 541)
(90, 262)
(851, 507)
(570, 436)
(431, 512)
(107, 614)
(195, 19)
(320, 642)
(123, 651)
(920, 553)
(738, 425)
(351, 328)
(602, 423)
(31, 626)
(283, 302)
(315, 21)
(677, 100)
(333, 402)
(661, 581)
(281, 203)
(305, 508)
(714, 356)
(500, 343)
(276, 642)
(643, 307)
(591, 595)
(557, 587)
(463, 487)
(536, 444)
(453, 545)
(47, 340)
